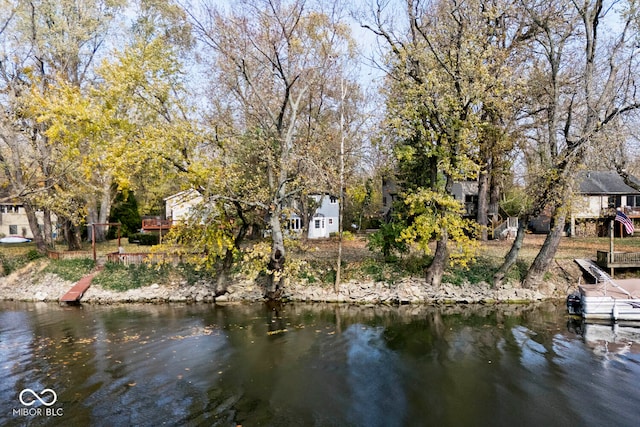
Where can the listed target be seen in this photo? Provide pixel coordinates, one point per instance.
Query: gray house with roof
(598, 195)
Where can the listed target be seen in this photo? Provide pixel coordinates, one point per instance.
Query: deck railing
(618, 259)
(156, 224)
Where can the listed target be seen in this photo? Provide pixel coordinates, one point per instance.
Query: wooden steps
(74, 294)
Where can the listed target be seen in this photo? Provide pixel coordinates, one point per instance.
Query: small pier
(74, 294)
(589, 269)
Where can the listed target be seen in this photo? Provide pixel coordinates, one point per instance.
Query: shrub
(373, 269)
(387, 240)
(33, 255)
(145, 239)
(308, 276)
(346, 235)
(481, 270)
(191, 273)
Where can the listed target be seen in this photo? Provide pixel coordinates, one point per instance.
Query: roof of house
(183, 195)
(605, 182)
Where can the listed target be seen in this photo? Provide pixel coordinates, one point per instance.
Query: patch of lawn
(119, 277)
(70, 269)
(15, 256)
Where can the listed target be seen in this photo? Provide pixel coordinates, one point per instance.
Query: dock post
(611, 247)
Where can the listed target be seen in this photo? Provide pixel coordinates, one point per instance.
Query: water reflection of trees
(257, 361)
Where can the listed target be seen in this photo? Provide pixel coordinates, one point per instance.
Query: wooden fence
(140, 258)
(121, 258)
(69, 254)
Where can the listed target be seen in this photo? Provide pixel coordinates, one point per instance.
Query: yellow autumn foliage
(435, 214)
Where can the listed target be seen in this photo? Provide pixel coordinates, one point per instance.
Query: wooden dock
(589, 268)
(608, 299)
(74, 294)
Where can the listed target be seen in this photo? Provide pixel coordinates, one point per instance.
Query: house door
(318, 228)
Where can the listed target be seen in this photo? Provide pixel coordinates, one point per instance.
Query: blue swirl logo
(35, 397)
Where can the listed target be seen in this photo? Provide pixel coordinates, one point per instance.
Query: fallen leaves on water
(196, 332)
(278, 331)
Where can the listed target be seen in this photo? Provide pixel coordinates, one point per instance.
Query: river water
(314, 365)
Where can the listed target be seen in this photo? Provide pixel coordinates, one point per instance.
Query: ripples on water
(300, 365)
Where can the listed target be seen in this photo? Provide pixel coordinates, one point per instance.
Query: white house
(179, 206)
(323, 223)
(325, 219)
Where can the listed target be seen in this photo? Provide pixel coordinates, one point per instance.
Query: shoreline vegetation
(367, 279)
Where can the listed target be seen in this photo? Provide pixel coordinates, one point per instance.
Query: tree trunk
(494, 198)
(275, 284)
(222, 278)
(103, 214)
(47, 229)
(223, 275)
(512, 256)
(436, 270)
(72, 235)
(548, 250)
(92, 216)
(98, 212)
(483, 205)
(35, 229)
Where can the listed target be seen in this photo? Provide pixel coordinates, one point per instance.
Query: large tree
(275, 74)
(581, 83)
(449, 88)
(45, 42)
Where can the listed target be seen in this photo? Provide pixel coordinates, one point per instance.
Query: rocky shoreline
(29, 285)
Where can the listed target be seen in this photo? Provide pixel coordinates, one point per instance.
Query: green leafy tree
(444, 74)
(132, 121)
(125, 211)
(45, 42)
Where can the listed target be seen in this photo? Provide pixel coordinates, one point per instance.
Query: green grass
(70, 269)
(15, 256)
(119, 277)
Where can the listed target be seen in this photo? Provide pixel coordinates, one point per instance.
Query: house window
(633, 201)
(611, 202)
(330, 221)
(471, 198)
(8, 209)
(294, 224)
(13, 229)
(316, 223)
(333, 200)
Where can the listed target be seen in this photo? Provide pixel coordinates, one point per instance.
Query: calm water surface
(311, 365)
